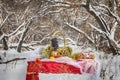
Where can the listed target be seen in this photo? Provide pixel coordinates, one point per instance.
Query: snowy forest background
(25, 24)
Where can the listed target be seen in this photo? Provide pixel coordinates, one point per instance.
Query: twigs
(16, 59)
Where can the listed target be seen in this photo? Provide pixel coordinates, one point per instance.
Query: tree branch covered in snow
(103, 24)
(4, 21)
(110, 13)
(80, 31)
(99, 30)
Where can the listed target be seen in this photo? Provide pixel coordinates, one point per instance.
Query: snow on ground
(109, 65)
(13, 65)
(65, 76)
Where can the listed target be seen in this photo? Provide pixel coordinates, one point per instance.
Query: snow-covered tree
(104, 21)
(21, 19)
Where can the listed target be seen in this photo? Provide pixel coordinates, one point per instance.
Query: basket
(60, 51)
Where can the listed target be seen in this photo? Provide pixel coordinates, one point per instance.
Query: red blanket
(56, 67)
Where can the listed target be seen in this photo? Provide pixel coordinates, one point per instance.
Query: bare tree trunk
(5, 45)
(4, 42)
(112, 48)
(22, 39)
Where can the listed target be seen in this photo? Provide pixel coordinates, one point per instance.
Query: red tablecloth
(57, 67)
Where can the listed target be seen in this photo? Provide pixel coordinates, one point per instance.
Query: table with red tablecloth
(57, 67)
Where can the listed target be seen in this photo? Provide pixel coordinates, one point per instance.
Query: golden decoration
(61, 51)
